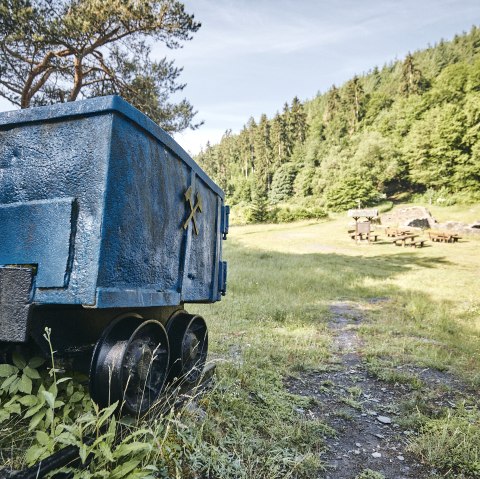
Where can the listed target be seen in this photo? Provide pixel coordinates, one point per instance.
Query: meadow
(422, 311)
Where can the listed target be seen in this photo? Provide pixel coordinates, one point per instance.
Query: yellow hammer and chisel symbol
(193, 209)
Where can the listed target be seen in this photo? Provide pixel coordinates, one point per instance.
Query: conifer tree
(297, 121)
(353, 101)
(263, 152)
(278, 135)
(332, 104)
(412, 81)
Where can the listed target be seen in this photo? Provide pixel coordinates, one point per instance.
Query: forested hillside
(409, 127)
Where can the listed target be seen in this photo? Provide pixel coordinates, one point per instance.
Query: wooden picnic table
(405, 240)
(372, 236)
(441, 236)
(392, 232)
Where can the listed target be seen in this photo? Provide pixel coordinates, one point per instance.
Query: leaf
(6, 384)
(76, 396)
(35, 453)
(132, 448)
(35, 409)
(13, 408)
(50, 398)
(82, 452)
(7, 370)
(31, 373)
(48, 417)
(28, 401)
(18, 360)
(87, 418)
(25, 384)
(14, 386)
(62, 380)
(53, 389)
(112, 427)
(4, 415)
(124, 469)
(67, 438)
(106, 413)
(43, 438)
(106, 451)
(36, 362)
(36, 420)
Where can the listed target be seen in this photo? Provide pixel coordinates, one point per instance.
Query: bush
(289, 214)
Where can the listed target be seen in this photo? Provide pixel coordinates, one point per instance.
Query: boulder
(412, 217)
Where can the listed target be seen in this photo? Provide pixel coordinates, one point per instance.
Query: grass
(422, 307)
(432, 313)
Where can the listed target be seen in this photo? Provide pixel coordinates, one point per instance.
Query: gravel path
(362, 409)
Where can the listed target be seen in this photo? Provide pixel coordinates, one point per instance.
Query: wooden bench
(418, 243)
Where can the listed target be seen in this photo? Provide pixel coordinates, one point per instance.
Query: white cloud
(192, 141)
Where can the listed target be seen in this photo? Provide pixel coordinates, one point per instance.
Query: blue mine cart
(107, 228)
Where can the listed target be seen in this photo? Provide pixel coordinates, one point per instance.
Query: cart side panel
(151, 254)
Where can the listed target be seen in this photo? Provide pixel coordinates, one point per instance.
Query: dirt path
(360, 408)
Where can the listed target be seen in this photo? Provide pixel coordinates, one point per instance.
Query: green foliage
(282, 183)
(60, 50)
(287, 214)
(258, 209)
(411, 126)
(350, 192)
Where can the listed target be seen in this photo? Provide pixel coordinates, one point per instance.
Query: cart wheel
(130, 364)
(188, 338)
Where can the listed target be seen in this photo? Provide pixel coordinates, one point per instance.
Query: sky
(251, 56)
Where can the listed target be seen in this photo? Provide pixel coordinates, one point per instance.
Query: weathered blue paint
(92, 192)
(38, 232)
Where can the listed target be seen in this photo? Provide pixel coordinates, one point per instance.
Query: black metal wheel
(188, 338)
(130, 364)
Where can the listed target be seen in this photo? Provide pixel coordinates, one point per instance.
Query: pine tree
(354, 98)
(297, 121)
(263, 153)
(278, 138)
(412, 81)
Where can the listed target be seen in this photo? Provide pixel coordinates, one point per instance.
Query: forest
(407, 130)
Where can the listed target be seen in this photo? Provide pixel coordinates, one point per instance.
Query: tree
(263, 153)
(354, 98)
(412, 80)
(297, 121)
(278, 134)
(61, 50)
(282, 183)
